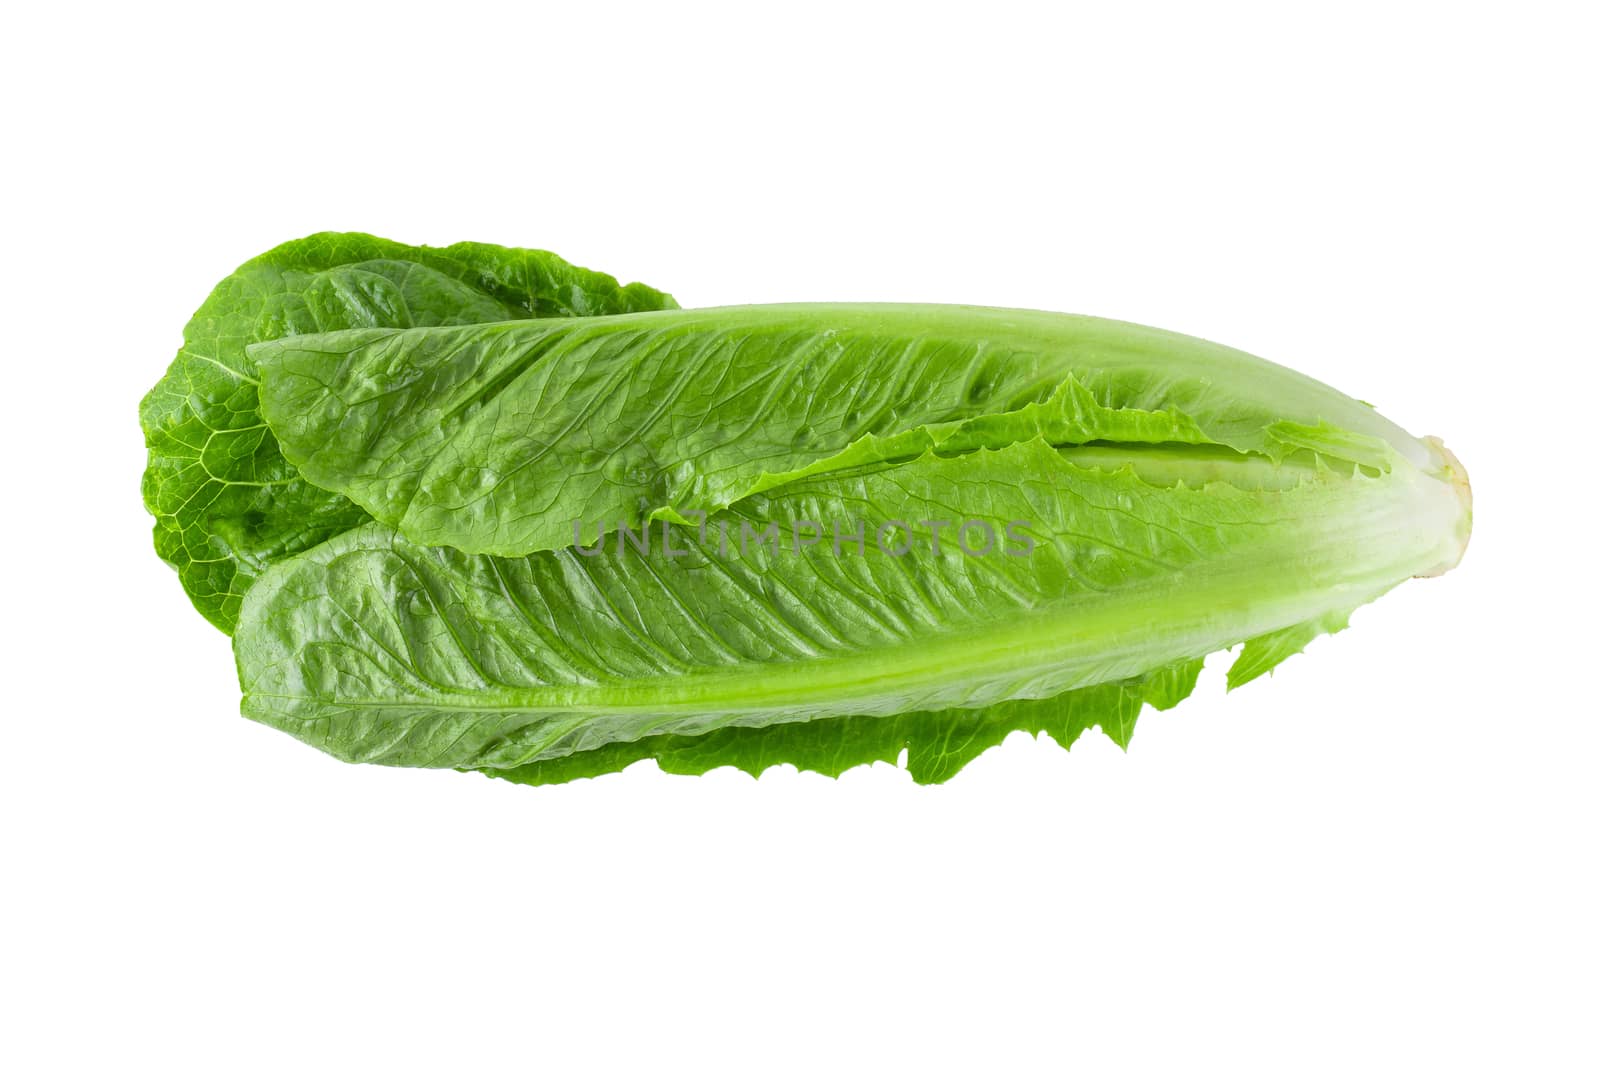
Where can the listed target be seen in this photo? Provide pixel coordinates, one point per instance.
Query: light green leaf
(936, 744)
(499, 438)
(376, 649)
(1261, 655)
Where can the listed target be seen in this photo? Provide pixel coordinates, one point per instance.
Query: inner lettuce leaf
(560, 663)
(226, 502)
(499, 438)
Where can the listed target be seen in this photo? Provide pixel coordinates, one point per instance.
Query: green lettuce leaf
(376, 649)
(498, 438)
(226, 502)
(936, 744)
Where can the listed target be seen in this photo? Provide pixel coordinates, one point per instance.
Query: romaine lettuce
(1175, 498)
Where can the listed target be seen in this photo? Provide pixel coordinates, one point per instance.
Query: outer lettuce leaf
(499, 438)
(936, 744)
(379, 650)
(226, 502)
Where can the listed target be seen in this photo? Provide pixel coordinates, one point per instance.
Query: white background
(1383, 854)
